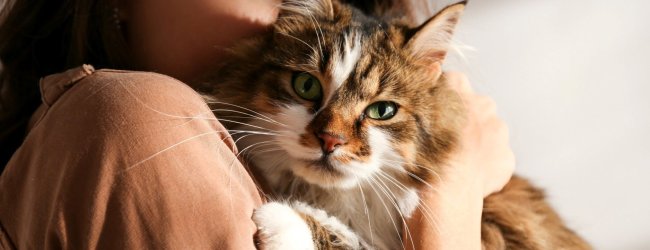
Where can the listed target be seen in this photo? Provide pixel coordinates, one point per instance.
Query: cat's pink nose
(330, 142)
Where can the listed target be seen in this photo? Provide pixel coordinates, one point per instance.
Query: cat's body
(346, 117)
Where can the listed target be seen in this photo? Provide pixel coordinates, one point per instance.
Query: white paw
(280, 227)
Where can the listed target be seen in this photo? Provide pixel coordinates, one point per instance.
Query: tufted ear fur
(309, 8)
(430, 41)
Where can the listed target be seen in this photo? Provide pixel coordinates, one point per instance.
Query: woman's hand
(451, 215)
(484, 156)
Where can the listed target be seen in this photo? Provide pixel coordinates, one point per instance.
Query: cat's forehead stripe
(345, 59)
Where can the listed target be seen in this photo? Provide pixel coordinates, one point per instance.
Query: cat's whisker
(422, 181)
(173, 146)
(365, 210)
(401, 186)
(144, 104)
(298, 39)
(245, 124)
(264, 148)
(267, 131)
(428, 216)
(244, 149)
(370, 181)
(269, 150)
(224, 109)
(394, 181)
(259, 126)
(420, 166)
(252, 145)
(247, 109)
(423, 206)
(240, 138)
(317, 28)
(235, 116)
(411, 174)
(392, 198)
(302, 8)
(234, 132)
(249, 115)
(253, 151)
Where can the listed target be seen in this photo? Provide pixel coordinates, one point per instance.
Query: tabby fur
(357, 193)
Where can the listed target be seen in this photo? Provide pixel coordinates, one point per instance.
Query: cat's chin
(324, 175)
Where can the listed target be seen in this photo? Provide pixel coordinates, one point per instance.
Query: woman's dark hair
(42, 37)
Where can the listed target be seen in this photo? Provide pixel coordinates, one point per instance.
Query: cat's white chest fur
(375, 210)
(376, 213)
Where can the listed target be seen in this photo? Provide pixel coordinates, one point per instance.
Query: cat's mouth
(323, 164)
(341, 170)
(324, 172)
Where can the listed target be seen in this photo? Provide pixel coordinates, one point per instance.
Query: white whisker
(171, 147)
(245, 124)
(247, 109)
(390, 194)
(249, 115)
(420, 166)
(425, 208)
(300, 40)
(365, 209)
(370, 182)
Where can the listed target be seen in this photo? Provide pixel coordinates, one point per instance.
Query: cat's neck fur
(376, 208)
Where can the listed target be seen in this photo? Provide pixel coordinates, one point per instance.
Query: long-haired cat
(345, 118)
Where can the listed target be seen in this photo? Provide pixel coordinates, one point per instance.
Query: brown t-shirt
(125, 160)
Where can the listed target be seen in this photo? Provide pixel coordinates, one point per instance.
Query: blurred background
(572, 80)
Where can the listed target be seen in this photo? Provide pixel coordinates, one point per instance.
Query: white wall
(572, 79)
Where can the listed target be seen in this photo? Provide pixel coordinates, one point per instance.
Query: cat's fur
(358, 195)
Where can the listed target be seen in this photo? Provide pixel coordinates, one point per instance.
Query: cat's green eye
(307, 86)
(381, 110)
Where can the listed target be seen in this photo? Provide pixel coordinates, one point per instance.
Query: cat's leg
(299, 226)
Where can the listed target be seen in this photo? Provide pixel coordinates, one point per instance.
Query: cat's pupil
(307, 86)
(382, 109)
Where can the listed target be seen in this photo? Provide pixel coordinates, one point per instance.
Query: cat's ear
(430, 41)
(307, 8)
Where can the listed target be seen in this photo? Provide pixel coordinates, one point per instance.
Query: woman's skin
(184, 38)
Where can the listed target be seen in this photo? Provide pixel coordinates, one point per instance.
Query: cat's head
(334, 96)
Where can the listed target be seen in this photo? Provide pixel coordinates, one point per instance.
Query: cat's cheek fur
(280, 227)
(294, 118)
(409, 202)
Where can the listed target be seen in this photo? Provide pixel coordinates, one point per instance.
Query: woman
(127, 159)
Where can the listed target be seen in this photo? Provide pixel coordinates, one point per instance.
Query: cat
(344, 118)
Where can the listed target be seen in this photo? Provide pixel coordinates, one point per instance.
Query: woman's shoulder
(109, 93)
(152, 81)
(129, 86)
(106, 81)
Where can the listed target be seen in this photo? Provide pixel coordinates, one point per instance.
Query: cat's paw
(280, 227)
(331, 233)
